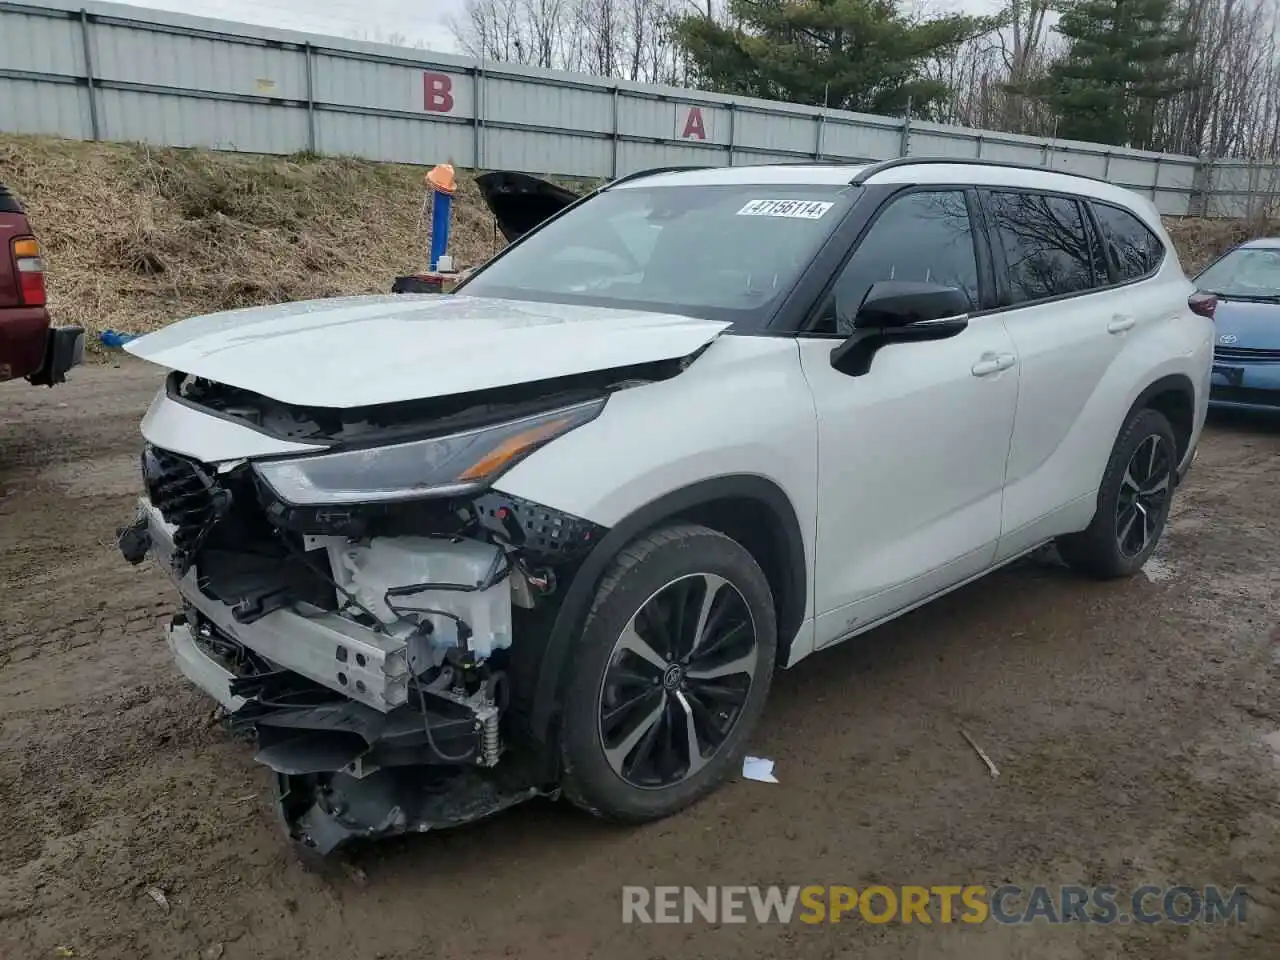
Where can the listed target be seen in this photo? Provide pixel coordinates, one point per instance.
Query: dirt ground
(1127, 720)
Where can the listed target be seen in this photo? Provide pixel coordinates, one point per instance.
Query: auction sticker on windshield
(796, 209)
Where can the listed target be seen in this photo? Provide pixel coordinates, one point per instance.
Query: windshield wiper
(1246, 297)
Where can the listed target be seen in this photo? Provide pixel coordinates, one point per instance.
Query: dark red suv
(29, 346)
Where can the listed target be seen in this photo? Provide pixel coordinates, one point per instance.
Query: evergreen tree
(848, 54)
(1120, 63)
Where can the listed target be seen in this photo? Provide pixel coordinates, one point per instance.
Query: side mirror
(898, 303)
(900, 311)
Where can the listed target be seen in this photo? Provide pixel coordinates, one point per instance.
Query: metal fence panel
(56, 110)
(130, 55)
(390, 87)
(633, 157)
(217, 124)
(79, 68)
(842, 139)
(783, 135)
(395, 139)
(40, 44)
(548, 153)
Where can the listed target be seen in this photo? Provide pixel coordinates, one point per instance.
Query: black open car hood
(520, 202)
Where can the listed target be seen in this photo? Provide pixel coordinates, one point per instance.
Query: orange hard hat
(440, 177)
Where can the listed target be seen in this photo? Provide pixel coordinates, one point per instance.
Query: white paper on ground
(758, 768)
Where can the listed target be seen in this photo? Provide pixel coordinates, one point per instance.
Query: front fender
(739, 423)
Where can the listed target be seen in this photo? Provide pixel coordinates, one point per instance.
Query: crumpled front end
(366, 646)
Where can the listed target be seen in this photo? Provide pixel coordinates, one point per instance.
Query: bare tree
(1023, 58)
(395, 38)
(1230, 105)
(989, 75)
(628, 39)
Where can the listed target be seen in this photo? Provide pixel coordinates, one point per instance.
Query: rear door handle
(993, 363)
(1120, 324)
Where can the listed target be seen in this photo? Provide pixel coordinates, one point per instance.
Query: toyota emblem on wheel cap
(1228, 338)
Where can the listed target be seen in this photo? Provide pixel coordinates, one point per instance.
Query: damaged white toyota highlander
(553, 533)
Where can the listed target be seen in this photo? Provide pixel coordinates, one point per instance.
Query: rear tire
(1133, 502)
(670, 677)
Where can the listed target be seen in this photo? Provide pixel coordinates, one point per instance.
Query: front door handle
(993, 363)
(1120, 324)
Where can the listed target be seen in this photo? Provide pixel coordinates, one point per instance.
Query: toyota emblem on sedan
(1228, 338)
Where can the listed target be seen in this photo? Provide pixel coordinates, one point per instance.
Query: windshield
(1251, 273)
(728, 252)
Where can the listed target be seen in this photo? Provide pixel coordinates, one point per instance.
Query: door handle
(993, 363)
(1120, 324)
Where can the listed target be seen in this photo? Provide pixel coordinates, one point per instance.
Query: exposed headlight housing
(458, 463)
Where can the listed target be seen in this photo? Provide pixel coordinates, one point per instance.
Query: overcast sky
(419, 20)
(425, 21)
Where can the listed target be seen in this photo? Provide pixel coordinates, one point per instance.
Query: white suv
(557, 530)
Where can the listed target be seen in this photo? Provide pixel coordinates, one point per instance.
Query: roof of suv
(907, 170)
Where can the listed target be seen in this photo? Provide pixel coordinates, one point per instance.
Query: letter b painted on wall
(437, 92)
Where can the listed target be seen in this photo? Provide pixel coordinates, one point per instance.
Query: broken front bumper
(348, 765)
(200, 668)
(370, 668)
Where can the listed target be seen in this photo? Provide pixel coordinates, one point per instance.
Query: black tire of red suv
(643, 571)
(1105, 550)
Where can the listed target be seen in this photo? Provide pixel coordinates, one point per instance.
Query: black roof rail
(654, 171)
(684, 168)
(871, 169)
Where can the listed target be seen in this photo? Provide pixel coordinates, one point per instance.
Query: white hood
(358, 351)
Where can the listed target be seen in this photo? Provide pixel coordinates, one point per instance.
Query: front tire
(1133, 501)
(670, 677)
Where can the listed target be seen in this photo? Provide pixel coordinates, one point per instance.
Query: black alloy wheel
(678, 678)
(1144, 492)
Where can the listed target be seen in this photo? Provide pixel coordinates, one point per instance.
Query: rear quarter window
(1132, 247)
(1046, 250)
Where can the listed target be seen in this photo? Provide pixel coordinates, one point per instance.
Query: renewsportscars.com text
(941, 904)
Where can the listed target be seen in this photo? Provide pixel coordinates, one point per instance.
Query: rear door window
(1133, 248)
(1046, 249)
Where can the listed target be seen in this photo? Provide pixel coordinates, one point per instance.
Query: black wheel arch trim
(1170, 383)
(582, 589)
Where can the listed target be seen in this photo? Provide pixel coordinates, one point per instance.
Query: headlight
(440, 466)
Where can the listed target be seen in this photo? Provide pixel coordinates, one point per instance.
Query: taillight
(26, 257)
(1203, 304)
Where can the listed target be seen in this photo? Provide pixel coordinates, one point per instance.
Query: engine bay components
(454, 590)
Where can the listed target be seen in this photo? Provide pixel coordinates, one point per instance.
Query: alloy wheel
(1144, 493)
(677, 680)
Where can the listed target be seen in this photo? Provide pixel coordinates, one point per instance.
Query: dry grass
(1201, 241)
(137, 237)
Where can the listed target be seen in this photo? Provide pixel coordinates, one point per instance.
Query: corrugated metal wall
(98, 71)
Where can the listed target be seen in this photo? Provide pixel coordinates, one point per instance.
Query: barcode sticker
(795, 209)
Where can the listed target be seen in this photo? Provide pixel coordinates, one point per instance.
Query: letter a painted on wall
(437, 92)
(693, 127)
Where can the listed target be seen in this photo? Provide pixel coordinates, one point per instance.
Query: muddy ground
(1127, 721)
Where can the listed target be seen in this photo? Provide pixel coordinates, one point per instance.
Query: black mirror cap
(900, 303)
